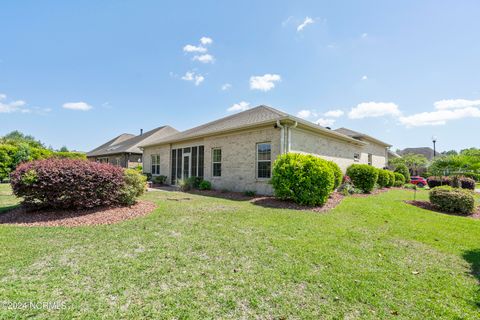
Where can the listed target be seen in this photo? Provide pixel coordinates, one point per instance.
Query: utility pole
(434, 140)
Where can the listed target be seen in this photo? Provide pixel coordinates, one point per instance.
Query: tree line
(16, 147)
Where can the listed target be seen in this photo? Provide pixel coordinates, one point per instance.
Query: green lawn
(369, 258)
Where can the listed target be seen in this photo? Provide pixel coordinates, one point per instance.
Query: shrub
(67, 183)
(399, 179)
(305, 179)
(453, 200)
(403, 169)
(337, 172)
(391, 180)
(205, 185)
(159, 179)
(133, 187)
(410, 186)
(190, 183)
(383, 179)
(250, 193)
(438, 181)
(363, 176)
(467, 183)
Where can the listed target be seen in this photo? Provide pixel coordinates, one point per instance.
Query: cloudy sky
(77, 74)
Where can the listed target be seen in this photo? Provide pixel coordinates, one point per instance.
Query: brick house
(123, 150)
(237, 152)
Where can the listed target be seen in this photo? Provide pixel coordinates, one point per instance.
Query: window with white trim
(217, 162)
(356, 157)
(155, 159)
(264, 160)
(370, 159)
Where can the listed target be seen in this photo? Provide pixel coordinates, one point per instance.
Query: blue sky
(79, 73)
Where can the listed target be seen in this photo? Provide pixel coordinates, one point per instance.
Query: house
(237, 152)
(424, 151)
(124, 150)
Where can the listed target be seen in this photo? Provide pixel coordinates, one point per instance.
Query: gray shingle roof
(360, 136)
(128, 143)
(249, 117)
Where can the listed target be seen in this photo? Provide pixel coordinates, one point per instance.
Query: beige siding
(238, 158)
(303, 141)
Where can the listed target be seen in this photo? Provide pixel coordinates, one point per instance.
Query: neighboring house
(123, 150)
(424, 151)
(237, 152)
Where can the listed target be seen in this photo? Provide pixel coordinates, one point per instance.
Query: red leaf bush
(67, 184)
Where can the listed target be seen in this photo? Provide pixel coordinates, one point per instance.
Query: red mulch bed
(90, 217)
(271, 202)
(428, 206)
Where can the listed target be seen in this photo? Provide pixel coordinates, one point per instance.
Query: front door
(186, 166)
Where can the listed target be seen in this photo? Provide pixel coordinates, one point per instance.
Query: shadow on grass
(473, 257)
(8, 208)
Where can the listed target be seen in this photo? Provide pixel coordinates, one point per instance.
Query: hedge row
(454, 181)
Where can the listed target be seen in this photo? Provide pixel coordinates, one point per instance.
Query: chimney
(141, 131)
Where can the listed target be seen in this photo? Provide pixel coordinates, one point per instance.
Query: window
(264, 160)
(174, 166)
(102, 160)
(356, 157)
(217, 162)
(187, 162)
(155, 163)
(118, 162)
(370, 159)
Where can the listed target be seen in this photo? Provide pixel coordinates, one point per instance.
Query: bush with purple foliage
(67, 184)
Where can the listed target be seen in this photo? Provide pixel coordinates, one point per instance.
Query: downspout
(282, 137)
(289, 145)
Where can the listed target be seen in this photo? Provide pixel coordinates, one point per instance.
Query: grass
(200, 257)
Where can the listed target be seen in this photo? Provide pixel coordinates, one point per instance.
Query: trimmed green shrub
(391, 179)
(159, 179)
(305, 179)
(337, 172)
(363, 176)
(383, 179)
(438, 181)
(399, 179)
(250, 193)
(403, 169)
(205, 185)
(453, 200)
(134, 186)
(472, 175)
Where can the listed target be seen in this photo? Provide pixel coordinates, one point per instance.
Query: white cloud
(373, 110)
(3, 96)
(193, 77)
(364, 78)
(241, 106)
(192, 48)
(364, 35)
(305, 114)
(305, 23)
(226, 86)
(455, 104)
(82, 106)
(439, 117)
(334, 113)
(265, 82)
(206, 40)
(13, 106)
(204, 58)
(325, 122)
